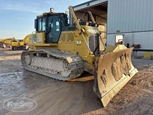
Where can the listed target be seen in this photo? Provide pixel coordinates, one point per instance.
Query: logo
(39, 39)
(20, 104)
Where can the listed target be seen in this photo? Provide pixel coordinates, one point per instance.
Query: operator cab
(51, 24)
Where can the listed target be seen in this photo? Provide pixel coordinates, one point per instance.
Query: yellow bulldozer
(6, 42)
(17, 44)
(63, 51)
(12, 43)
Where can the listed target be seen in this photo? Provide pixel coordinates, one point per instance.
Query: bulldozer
(6, 42)
(64, 51)
(17, 44)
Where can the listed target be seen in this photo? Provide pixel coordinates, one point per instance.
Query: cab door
(53, 29)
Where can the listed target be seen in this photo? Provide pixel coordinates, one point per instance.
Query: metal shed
(131, 18)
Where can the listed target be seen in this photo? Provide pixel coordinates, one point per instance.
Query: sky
(17, 16)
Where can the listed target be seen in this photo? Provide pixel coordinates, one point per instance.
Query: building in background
(133, 19)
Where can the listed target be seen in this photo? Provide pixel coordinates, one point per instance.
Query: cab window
(42, 24)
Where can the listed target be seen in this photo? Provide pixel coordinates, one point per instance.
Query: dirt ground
(55, 97)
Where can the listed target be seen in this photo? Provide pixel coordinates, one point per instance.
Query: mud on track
(76, 97)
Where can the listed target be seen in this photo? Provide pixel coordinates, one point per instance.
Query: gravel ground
(72, 98)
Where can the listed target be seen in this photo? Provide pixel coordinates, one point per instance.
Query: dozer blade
(112, 71)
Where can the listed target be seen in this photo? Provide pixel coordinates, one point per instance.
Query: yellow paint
(40, 37)
(17, 43)
(8, 40)
(1, 40)
(147, 55)
(14, 44)
(77, 46)
(69, 41)
(25, 40)
(21, 43)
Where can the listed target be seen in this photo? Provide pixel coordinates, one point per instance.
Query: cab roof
(49, 13)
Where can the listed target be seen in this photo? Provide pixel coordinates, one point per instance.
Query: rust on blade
(113, 71)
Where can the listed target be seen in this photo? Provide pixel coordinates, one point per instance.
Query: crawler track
(53, 63)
